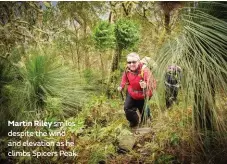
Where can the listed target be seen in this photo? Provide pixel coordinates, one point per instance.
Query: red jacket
(133, 79)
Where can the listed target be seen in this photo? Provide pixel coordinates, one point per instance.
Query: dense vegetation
(62, 61)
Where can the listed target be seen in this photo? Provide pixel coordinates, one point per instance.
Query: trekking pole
(143, 114)
(122, 96)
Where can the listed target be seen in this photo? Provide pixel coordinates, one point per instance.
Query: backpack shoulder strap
(142, 70)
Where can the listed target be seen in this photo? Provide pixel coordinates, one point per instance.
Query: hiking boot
(134, 130)
(133, 125)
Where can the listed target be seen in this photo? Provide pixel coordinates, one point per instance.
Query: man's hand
(119, 89)
(143, 84)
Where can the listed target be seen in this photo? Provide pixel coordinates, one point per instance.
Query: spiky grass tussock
(44, 87)
(199, 47)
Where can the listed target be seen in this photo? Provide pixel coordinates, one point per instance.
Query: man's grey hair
(133, 55)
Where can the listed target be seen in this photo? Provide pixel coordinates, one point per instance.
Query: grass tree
(41, 87)
(199, 47)
(124, 35)
(104, 38)
(127, 35)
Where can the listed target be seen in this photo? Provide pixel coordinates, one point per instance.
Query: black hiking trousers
(171, 95)
(130, 107)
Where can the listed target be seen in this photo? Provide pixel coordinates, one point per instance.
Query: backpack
(173, 75)
(152, 84)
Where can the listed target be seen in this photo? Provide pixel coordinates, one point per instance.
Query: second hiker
(172, 83)
(140, 83)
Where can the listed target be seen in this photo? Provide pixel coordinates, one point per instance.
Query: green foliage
(200, 49)
(43, 82)
(82, 12)
(174, 139)
(54, 108)
(93, 81)
(43, 86)
(100, 152)
(126, 33)
(216, 9)
(91, 77)
(165, 159)
(103, 35)
(19, 23)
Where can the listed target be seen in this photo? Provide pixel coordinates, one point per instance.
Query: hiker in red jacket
(140, 87)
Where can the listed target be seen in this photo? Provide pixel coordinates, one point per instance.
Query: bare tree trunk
(115, 59)
(77, 45)
(167, 22)
(86, 52)
(114, 67)
(102, 66)
(72, 53)
(110, 17)
(168, 7)
(78, 57)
